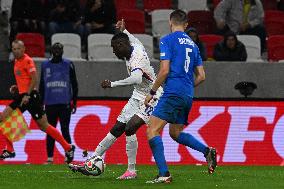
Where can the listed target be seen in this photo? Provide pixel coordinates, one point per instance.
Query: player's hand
(73, 108)
(106, 84)
(148, 98)
(14, 90)
(25, 100)
(120, 25)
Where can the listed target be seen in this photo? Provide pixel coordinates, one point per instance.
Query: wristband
(152, 92)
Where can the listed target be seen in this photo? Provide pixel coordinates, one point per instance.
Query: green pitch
(60, 177)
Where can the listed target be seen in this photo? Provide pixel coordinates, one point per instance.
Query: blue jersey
(184, 56)
(56, 80)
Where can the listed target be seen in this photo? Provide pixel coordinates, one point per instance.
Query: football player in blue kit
(180, 61)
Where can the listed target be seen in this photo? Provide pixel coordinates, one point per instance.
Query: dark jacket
(104, 15)
(223, 53)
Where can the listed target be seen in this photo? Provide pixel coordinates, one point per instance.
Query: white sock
(131, 150)
(104, 145)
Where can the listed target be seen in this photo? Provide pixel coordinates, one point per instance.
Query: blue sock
(189, 140)
(157, 148)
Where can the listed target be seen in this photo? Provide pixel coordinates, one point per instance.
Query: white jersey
(139, 60)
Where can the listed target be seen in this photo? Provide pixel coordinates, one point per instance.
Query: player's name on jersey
(185, 41)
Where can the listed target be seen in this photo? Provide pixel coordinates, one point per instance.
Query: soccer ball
(95, 165)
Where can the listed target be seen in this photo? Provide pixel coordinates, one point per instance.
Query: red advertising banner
(244, 133)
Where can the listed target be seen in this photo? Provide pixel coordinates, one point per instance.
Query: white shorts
(136, 107)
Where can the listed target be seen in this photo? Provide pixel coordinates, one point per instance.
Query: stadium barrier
(244, 133)
(221, 78)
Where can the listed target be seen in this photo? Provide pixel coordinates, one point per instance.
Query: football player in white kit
(135, 113)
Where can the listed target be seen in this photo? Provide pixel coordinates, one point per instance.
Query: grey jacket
(231, 11)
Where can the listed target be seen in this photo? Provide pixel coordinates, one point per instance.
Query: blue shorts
(173, 109)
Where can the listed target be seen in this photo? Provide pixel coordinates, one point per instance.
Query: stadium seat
(125, 4)
(274, 23)
(275, 47)
(150, 5)
(160, 22)
(210, 41)
(189, 5)
(6, 5)
(203, 21)
(269, 4)
(34, 43)
(253, 47)
(147, 41)
(71, 43)
(99, 47)
(135, 20)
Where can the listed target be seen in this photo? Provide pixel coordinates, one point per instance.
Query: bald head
(18, 48)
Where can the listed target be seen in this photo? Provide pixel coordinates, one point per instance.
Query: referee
(59, 91)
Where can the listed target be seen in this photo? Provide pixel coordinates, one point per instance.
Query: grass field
(59, 177)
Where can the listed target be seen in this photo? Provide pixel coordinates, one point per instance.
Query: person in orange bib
(28, 98)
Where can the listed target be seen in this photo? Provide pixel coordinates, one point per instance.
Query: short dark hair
(120, 37)
(57, 45)
(178, 17)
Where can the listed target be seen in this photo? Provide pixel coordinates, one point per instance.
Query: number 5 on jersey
(187, 59)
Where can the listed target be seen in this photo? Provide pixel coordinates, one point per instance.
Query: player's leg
(186, 138)
(116, 131)
(156, 125)
(165, 112)
(64, 119)
(189, 140)
(131, 146)
(52, 117)
(36, 110)
(181, 120)
(9, 152)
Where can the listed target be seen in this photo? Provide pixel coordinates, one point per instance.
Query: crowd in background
(84, 17)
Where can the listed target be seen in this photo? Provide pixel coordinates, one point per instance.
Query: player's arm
(33, 74)
(74, 84)
(41, 85)
(121, 26)
(132, 39)
(198, 69)
(165, 57)
(199, 75)
(34, 80)
(162, 75)
(134, 78)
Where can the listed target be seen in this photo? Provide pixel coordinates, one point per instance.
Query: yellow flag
(15, 126)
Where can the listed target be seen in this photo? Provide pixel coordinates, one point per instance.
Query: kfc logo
(248, 133)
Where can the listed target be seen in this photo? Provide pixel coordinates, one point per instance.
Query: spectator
(59, 90)
(193, 34)
(65, 17)
(241, 17)
(27, 16)
(230, 49)
(99, 17)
